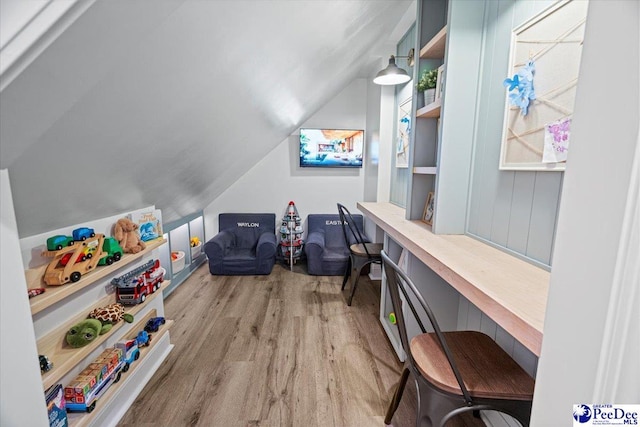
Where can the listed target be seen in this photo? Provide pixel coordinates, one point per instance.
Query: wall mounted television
(331, 148)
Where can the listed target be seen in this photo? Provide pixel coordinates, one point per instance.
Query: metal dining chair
(455, 372)
(361, 251)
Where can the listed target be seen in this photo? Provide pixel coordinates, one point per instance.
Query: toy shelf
(54, 294)
(434, 48)
(78, 419)
(64, 357)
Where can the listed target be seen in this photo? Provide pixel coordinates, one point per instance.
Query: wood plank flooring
(276, 350)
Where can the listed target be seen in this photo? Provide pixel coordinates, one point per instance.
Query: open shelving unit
(179, 233)
(64, 357)
(85, 419)
(56, 310)
(54, 294)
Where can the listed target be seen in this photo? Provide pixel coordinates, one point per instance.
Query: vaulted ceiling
(168, 102)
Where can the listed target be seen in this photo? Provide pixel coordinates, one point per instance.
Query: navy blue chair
(325, 248)
(245, 245)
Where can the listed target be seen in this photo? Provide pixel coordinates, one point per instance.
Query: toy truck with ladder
(71, 262)
(134, 287)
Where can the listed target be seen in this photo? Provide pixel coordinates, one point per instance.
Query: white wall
(592, 311)
(22, 400)
(278, 178)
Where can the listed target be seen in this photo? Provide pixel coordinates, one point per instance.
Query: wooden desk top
(509, 290)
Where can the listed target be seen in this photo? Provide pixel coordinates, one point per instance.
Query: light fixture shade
(392, 75)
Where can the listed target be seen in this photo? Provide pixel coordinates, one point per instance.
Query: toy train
(84, 391)
(78, 254)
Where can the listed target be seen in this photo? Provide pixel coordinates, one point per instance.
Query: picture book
(149, 223)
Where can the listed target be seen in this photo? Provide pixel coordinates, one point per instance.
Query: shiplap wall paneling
(458, 119)
(400, 176)
(515, 210)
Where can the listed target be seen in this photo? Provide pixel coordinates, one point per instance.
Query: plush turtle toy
(84, 332)
(100, 321)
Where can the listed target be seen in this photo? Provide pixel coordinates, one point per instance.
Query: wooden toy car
(58, 242)
(83, 233)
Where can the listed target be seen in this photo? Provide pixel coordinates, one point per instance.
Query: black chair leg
(347, 274)
(397, 396)
(357, 269)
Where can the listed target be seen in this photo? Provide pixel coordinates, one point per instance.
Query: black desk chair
(455, 372)
(361, 251)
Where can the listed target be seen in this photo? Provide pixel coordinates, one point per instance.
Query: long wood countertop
(509, 290)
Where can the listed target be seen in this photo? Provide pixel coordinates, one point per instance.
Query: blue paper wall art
(522, 85)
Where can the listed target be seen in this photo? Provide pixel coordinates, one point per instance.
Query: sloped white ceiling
(168, 102)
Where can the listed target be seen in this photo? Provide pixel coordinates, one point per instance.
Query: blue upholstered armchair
(326, 251)
(246, 244)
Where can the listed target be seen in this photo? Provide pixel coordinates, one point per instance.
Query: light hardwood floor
(276, 350)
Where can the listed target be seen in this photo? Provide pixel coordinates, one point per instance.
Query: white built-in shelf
(63, 356)
(79, 419)
(425, 170)
(54, 294)
(431, 110)
(434, 49)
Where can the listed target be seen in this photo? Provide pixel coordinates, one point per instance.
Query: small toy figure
(125, 232)
(45, 364)
(195, 241)
(35, 292)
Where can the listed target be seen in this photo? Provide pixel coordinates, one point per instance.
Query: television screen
(331, 148)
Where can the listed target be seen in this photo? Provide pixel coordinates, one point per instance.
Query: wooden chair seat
(374, 249)
(488, 371)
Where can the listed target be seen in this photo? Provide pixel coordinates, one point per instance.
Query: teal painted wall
(399, 176)
(513, 209)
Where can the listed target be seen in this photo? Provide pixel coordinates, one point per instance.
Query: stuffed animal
(109, 315)
(127, 235)
(84, 332)
(100, 321)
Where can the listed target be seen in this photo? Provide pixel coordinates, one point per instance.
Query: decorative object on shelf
(291, 235)
(393, 75)
(35, 292)
(56, 408)
(196, 247)
(45, 363)
(154, 324)
(71, 262)
(113, 251)
(427, 85)
(149, 224)
(83, 392)
(404, 134)
(136, 285)
(84, 332)
(109, 315)
(440, 82)
(177, 261)
(548, 46)
(125, 232)
(55, 243)
(429, 208)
